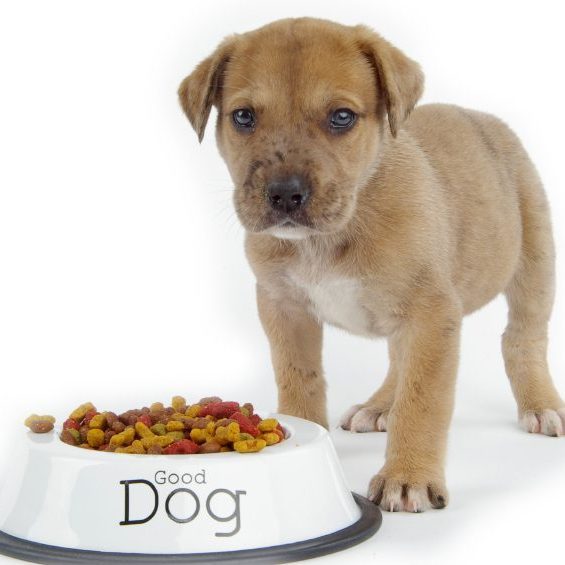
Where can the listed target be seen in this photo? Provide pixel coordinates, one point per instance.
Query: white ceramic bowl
(289, 501)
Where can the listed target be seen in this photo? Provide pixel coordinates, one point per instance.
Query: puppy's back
(483, 172)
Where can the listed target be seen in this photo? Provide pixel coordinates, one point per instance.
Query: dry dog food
(40, 424)
(209, 426)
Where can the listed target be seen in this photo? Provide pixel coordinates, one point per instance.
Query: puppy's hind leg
(530, 300)
(372, 415)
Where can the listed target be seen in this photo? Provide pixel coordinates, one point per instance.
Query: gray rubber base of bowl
(364, 528)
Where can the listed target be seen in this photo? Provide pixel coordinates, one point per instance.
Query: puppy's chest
(338, 300)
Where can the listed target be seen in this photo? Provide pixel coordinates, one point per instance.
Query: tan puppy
(382, 224)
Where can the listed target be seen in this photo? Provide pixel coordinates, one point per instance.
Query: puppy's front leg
(427, 346)
(296, 351)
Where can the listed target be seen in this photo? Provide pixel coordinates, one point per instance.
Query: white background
(122, 275)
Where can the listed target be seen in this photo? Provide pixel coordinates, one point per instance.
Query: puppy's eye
(243, 118)
(342, 119)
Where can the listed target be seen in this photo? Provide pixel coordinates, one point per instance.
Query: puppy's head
(302, 107)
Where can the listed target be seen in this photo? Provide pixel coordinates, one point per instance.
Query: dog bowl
(60, 503)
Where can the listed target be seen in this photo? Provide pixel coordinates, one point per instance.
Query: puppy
(383, 221)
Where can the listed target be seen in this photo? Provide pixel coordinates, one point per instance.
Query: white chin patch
(290, 232)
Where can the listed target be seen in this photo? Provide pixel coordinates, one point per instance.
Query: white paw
(345, 421)
(547, 422)
(403, 495)
(361, 419)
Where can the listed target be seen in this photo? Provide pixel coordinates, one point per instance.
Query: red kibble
(145, 419)
(71, 424)
(88, 416)
(219, 409)
(181, 447)
(255, 419)
(245, 424)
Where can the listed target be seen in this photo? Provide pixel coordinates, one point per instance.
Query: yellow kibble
(156, 407)
(137, 447)
(226, 434)
(129, 434)
(161, 441)
(244, 411)
(270, 437)
(35, 418)
(95, 437)
(142, 430)
(250, 445)
(198, 435)
(178, 403)
(193, 411)
(79, 413)
(178, 416)
(233, 431)
(123, 438)
(175, 435)
(268, 425)
(244, 436)
(98, 421)
(174, 426)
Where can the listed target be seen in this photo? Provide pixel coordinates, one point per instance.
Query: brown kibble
(41, 426)
(210, 447)
(67, 436)
(118, 426)
(200, 423)
(209, 400)
(111, 418)
(224, 422)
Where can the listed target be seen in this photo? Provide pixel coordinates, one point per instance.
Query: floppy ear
(400, 79)
(199, 90)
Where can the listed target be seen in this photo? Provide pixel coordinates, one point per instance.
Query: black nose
(289, 193)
